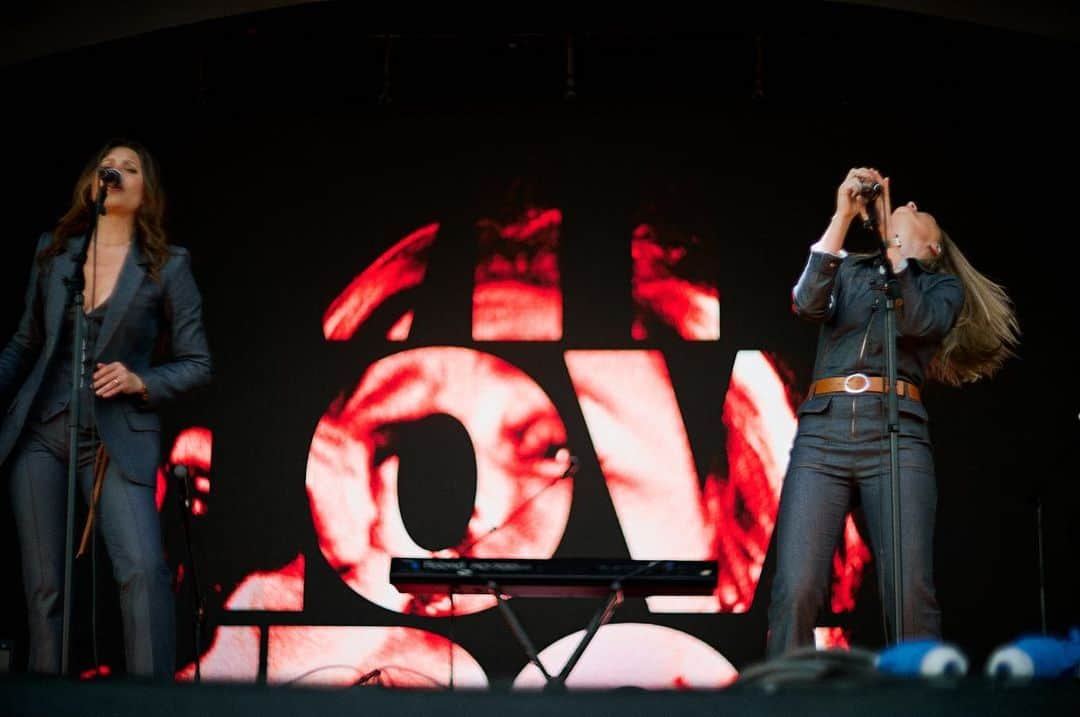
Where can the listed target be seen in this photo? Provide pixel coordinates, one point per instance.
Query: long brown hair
(149, 218)
(986, 331)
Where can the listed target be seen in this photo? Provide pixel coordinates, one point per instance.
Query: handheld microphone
(869, 190)
(110, 177)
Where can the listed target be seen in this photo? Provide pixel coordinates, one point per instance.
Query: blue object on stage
(923, 658)
(1037, 656)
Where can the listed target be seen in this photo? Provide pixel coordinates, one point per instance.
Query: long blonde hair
(985, 332)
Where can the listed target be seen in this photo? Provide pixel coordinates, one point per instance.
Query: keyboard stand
(599, 619)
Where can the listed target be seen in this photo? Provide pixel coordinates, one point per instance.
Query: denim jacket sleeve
(814, 295)
(931, 304)
(23, 348)
(189, 366)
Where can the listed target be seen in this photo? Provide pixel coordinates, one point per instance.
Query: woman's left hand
(883, 204)
(113, 379)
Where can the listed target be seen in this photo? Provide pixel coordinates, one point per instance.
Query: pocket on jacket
(815, 404)
(912, 408)
(52, 411)
(914, 421)
(141, 421)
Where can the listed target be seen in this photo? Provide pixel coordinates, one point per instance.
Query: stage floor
(117, 698)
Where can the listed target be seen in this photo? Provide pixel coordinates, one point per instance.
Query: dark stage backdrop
(419, 312)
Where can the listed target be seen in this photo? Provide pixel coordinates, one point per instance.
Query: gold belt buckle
(849, 388)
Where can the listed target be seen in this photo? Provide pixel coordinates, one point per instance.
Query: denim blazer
(141, 310)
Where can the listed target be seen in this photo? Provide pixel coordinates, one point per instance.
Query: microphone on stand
(572, 469)
(182, 476)
(110, 177)
(573, 464)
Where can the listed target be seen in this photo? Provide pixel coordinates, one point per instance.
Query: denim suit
(841, 445)
(34, 441)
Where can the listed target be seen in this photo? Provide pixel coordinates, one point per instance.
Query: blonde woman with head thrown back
(952, 325)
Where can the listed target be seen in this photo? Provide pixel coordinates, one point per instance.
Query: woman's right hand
(849, 199)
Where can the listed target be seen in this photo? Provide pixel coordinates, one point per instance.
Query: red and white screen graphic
(523, 503)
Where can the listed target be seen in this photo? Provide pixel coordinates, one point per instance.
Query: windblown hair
(986, 331)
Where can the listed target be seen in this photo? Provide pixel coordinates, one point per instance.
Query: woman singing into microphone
(141, 303)
(953, 325)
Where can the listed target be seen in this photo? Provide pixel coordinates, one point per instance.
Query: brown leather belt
(861, 383)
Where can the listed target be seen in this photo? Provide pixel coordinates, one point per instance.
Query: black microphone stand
(76, 285)
(183, 476)
(891, 291)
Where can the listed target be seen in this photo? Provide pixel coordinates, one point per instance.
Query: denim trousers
(128, 522)
(841, 446)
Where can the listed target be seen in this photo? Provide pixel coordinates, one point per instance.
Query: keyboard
(556, 577)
